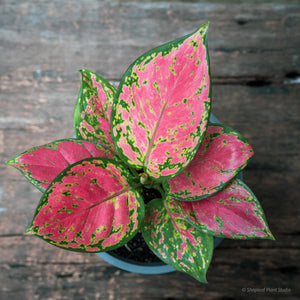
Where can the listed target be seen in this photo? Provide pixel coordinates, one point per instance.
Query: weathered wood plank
(37, 40)
(95, 279)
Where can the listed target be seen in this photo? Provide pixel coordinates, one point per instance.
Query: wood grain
(254, 53)
(106, 37)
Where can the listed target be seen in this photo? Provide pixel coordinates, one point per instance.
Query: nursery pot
(150, 268)
(157, 267)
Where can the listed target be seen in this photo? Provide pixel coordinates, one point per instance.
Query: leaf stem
(134, 172)
(161, 190)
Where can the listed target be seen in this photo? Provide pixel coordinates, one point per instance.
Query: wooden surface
(254, 51)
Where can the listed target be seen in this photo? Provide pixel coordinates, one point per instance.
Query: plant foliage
(153, 131)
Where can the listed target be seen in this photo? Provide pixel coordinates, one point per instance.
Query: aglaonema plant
(153, 131)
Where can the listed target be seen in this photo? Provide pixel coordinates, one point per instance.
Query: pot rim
(135, 266)
(142, 267)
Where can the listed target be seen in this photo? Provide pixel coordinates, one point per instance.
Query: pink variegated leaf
(40, 165)
(175, 241)
(90, 207)
(162, 106)
(233, 212)
(93, 108)
(222, 154)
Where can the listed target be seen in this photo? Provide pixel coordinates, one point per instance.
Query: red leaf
(89, 207)
(40, 165)
(233, 212)
(162, 106)
(221, 156)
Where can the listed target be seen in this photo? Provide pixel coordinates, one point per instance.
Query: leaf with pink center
(93, 108)
(233, 212)
(175, 241)
(222, 154)
(90, 207)
(162, 106)
(40, 165)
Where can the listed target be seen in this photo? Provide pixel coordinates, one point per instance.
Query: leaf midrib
(96, 204)
(155, 131)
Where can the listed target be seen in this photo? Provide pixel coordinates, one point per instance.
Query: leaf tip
(270, 236)
(206, 25)
(201, 277)
(29, 231)
(9, 162)
(82, 72)
(204, 28)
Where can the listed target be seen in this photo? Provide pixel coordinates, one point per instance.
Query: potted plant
(136, 256)
(153, 132)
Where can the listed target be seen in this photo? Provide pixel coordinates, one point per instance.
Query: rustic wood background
(255, 66)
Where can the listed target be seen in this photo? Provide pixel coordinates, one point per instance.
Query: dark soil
(137, 249)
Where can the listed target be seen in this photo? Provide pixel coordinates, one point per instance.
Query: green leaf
(175, 241)
(93, 109)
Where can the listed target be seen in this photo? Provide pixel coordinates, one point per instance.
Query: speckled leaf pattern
(162, 106)
(233, 212)
(221, 156)
(175, 241)
(89, 207)
(93, 109)
(40, 165)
